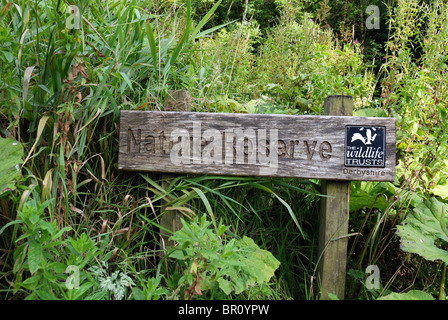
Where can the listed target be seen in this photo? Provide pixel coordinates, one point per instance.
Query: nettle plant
(216, 267)
(44, 253)
(49, 264)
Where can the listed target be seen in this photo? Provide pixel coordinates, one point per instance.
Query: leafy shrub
(42, 257)
(300, 64)
(45, 255)
(415, 92)
(214, 265)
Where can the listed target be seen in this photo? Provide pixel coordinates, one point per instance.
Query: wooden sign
(317, 147)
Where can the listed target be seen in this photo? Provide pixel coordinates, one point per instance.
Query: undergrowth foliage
(74, 227)
(218, 266)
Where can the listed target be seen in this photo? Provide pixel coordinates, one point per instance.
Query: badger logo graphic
(365, 140)
(365, 146)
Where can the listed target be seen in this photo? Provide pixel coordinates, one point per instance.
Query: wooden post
(177, 100)
(334, 216)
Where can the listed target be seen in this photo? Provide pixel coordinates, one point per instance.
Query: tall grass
(64, 109)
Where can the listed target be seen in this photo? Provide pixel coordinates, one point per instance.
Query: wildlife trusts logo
(365, 146)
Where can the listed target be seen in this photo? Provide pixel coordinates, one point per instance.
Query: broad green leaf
(45, 225)
(370, 112)
(234, 279)
(35, 255)
(46, 295)
(366, 200)
(137, 294)
(411, 295)
(10, 171)
(262, 263)
(57, 267)
(441, 191)
(368, 195)
(19, 257)
(424, 228)
(247, 266)
(32, 281)
(225, 285)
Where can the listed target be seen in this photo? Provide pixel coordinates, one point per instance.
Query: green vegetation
(219, 268)
(74, 227)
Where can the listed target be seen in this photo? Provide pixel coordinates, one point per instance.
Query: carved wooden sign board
(314, 147)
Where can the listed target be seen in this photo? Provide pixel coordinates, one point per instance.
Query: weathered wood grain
(334, 218)
(307, 146)
(177, 100)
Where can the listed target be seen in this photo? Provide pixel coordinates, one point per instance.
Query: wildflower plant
(116, 283)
